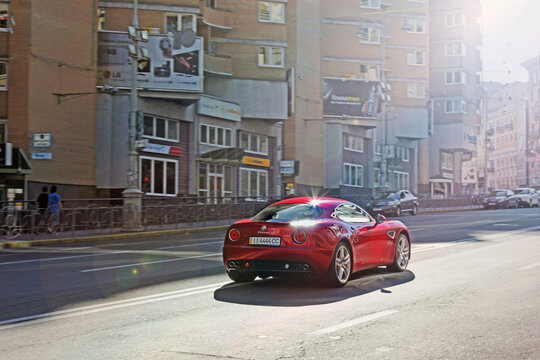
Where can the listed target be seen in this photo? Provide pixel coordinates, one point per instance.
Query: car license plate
(264, 241)
(377, 209)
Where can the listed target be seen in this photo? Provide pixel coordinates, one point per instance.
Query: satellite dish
(187, 38)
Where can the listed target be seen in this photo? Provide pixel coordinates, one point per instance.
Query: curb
(81, 239)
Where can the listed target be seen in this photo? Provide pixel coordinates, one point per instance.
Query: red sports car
(328, 237)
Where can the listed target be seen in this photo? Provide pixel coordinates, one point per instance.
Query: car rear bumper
(277, 259)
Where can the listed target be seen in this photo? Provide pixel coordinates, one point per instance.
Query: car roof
(309, 199)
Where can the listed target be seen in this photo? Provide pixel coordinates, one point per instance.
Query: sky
(511, 36)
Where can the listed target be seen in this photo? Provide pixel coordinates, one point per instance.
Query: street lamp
(132, 196)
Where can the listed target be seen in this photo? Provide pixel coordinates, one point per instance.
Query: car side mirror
(380, 219)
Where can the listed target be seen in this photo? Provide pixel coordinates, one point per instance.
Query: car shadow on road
(296, 291)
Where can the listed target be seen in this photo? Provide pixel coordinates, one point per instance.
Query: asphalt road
(472, 291)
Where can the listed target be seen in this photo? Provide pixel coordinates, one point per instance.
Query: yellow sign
(256, 161)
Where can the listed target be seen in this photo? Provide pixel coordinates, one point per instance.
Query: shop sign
(170, 66)
(42, 140)
(352, 98)
(163, 149)
(286, 167)
(469, 138)
(248, 160)
(449, 176)
(42, 156)
(219, 108)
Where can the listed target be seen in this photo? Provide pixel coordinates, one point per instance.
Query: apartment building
(532, 158)
(455, 93)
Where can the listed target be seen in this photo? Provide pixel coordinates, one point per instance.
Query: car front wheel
(402, 254)
(340, 269)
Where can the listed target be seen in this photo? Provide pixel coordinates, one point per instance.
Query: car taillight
(299, 236)
(234, 234)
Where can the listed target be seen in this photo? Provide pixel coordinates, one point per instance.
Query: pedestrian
(55, 205)
(42, 204)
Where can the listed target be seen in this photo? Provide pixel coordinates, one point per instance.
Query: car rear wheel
(402, 254)
(398, 211)
(340, 269)
(415, 210)
(240, 276)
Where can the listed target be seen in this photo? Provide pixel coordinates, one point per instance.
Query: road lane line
(531, 266)
(60, 258)
(188, 245)
(354, 322)
(85, 310)
(150, 262)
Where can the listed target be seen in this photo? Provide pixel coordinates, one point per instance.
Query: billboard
(171, 66)
(356, 98)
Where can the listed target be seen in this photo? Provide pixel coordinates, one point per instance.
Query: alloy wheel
(403, 252)
(343, 264)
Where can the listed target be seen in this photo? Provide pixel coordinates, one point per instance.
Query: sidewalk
(95, 235)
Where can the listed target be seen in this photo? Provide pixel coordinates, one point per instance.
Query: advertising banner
(351, 98)
(171, 66)
(219, 108)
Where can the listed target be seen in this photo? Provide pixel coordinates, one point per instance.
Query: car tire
(398, 211)
(341, 267)
(415, 210)
(402, 254)
(241, 276)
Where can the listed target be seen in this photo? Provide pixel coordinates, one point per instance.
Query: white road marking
(503, 224)
(188, 245)
(354, 322)
(531, 266)
(60, 258)
(84, 310)
(150, 262)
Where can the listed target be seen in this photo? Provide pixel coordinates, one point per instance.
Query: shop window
(271, 12)
(257, 144)
(353, 143)
(270, 56)
(253, 184)
(159, 176)
(353, 175)
(159, 128)
(215, 180)
(215, 135)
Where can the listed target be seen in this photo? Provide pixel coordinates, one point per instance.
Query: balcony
(218, 64)
(217, 18)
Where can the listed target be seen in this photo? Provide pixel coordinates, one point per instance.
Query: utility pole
(132, 195)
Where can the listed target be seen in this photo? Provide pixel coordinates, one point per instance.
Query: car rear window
(288, 212)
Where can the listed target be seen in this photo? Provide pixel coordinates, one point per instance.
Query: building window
(354, 143)
(252, 143)
(369, 35)
(215, 135)
(417, 58)
(401, 180)
(455, 78)
(369, 72)
(402, 153)
(271, 12)
(447, 161)
(416, 91)
(455, 49)
(101, 19)
(215, 180)
(353, 175)
(253, 183)
(378, 149)
(456, 106)
(180, 22)
(370, 4)
(3, 75)
(159, 128)
(451, 20)
(270, 56)
(415, 26)
(4, 16)
(376, 177)
(159, 176)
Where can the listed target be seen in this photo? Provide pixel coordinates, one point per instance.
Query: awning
(229, 156)
(20, 163)
(183, 98)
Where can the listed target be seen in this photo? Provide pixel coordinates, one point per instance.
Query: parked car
(501, 198)
(525, 197)
(393, 203)
(325, 237)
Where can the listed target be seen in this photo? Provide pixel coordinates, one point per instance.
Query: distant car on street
(325, 237)
(525, 197)
(501, 198)
(394, 203)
